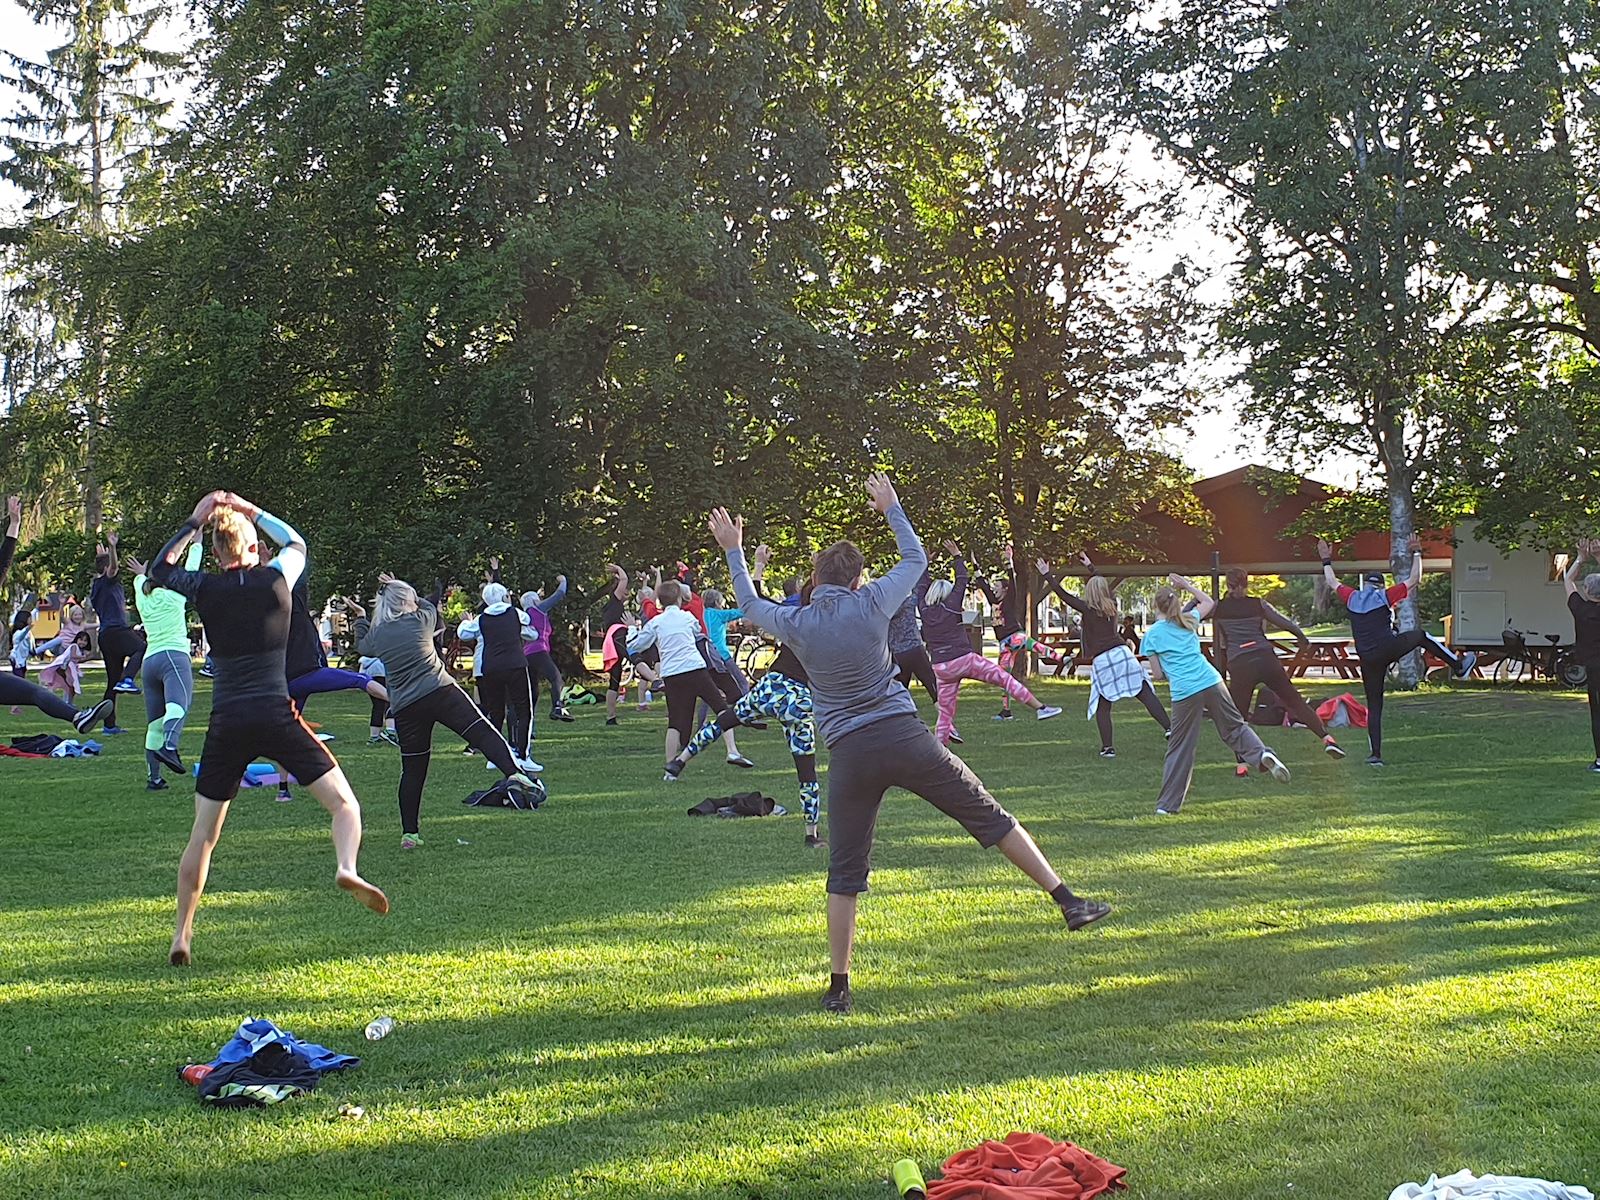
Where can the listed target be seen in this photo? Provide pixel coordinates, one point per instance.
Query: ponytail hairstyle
(1238, 581)
(1169, 603)
(939, 591)
(1097, 592)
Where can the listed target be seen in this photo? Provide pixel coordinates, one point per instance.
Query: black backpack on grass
(510, 793)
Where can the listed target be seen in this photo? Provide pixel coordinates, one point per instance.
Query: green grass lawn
(1318, 990)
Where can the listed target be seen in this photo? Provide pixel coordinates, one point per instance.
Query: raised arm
(1414, 544)
(1053, 583)
(1325, 552)
(165, 570)
(290, 561)
(555, 597)
(1569, 577)
(1203, 603)
(889, 589)
(776, 619)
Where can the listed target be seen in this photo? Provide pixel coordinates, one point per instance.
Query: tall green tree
(80, 150)
(1346, 133)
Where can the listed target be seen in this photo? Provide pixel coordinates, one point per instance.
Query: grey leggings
(1187, 714)
(168, 693)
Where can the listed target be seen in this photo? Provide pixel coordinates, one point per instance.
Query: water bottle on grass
(380, 1028)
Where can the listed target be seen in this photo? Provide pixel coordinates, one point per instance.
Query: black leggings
(453, 708)
(1594, 709)
(541, 664)
(915, 664)
(1246, 672)
(508, 698)
(1147, 697)
(682, 691)
(16, 691)
(380, 708)
(1375, 664)
(122, 649)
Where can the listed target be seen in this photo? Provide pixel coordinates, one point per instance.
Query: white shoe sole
(1275, 767)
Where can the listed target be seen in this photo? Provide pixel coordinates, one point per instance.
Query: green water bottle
(908, 1180)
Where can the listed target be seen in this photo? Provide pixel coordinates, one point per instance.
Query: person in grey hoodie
(869, 723)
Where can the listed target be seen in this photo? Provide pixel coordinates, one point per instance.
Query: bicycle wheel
(1572, 673)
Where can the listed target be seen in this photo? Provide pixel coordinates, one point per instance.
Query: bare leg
(841, 931)
(733, 746)
(674, 744)
(192, 871)
(1019, 847)
(611, 705)
(333, 793)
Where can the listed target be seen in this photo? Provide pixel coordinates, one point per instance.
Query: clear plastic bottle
(380, 1028)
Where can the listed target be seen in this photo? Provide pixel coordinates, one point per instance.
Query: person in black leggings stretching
(1583, 601)
(121, 645)
(1242, 646)
(16, 689)
(1377, 644)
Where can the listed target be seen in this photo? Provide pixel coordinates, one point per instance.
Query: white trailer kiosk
(1493, 592)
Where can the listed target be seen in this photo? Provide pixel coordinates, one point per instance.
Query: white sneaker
(489, 766)
(1273, 765)
(1048, 711)
(529, 766)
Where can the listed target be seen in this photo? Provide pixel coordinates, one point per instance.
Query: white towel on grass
(1463, 1185)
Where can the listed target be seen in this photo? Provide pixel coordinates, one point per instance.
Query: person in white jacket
(499, 631)
(676, 634)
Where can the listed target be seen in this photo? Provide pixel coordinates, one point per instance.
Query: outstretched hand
(206, 506)
(1413, 544)
(1083, 557)
(729, 531)
(385, 579)
(134, 565)
(763, 556)
(1043, 565)
(952, 548)
(1323, 549)
(880, 492)
(14, 509)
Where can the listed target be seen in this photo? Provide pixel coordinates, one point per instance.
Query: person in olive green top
(168, 667)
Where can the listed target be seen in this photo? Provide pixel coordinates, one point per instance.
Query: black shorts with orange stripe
(273, 731)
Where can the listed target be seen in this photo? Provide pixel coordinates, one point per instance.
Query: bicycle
(1548, 659)
(755, 654)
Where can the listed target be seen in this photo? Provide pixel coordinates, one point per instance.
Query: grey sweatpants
(168, 693)
(1187, 713)
(897, 751)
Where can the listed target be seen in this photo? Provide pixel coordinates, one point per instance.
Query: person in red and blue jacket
(1378, 645)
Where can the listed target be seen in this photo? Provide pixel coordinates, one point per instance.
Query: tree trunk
(1402, 524)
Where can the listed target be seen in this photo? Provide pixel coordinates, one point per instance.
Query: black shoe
(673, 770)
(1107, 752)
(88, 718)
(611, 720)
(813, 841)
(1595, 766)
(956, 739)
(1374, 761)
(758, 725)
(156, 785)
(1080, 912)
(562, 714)
(839, 1003)
(169, 759)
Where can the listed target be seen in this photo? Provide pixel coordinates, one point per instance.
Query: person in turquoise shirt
(1173, 646)
(168, 667)
(728, 675)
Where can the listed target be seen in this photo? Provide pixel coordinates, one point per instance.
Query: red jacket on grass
(1026, 1166)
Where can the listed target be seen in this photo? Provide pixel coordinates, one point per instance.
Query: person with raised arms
(1378, 646)
(1583, 602)
(1172, 645)
(168, 667)
(869, 723)
(16, 690)
(245, 610)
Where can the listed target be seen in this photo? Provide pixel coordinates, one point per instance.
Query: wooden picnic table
(1328, 654)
